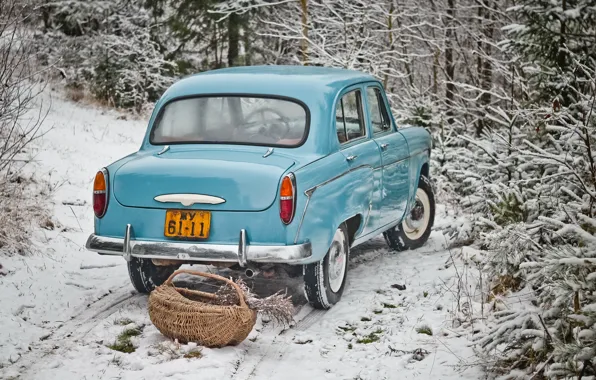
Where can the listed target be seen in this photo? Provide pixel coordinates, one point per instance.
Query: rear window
(232, 120)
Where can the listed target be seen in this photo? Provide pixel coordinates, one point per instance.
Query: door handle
(384, 146)
(351, 158)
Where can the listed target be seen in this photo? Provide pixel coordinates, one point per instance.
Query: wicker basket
(192, 316)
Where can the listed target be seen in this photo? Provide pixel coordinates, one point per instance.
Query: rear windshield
(233, 120)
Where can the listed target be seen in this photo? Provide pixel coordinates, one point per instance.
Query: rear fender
(331, 202)
(419, 145)
(416, 163)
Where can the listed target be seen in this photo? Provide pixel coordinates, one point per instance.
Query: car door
(394, 156)
(358, 148)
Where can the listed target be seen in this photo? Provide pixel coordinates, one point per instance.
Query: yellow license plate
(189, 224)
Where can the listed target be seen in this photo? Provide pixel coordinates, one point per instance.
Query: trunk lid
(245, 180)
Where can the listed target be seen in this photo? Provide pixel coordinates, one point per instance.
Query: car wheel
(145, 275)
(414, 230)
(324, 282)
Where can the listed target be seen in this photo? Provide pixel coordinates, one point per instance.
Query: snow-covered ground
(62, 306)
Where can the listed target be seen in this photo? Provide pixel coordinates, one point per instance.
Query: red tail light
(100, 193)
(287, 198)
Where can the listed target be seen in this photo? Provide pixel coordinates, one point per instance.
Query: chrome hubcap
(417, 221)
(337, 261)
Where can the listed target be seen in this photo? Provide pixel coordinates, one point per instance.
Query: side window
(379, 116)
(348, 117)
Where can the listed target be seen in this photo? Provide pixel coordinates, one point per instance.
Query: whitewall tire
(415, 229)
(324, 282)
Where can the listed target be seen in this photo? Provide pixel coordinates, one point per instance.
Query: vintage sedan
(253, 167)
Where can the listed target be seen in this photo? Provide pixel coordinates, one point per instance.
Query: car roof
(292, 81)
(315, 87)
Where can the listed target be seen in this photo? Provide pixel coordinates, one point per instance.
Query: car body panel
(395, 177)
(245, 180)
(375, 188)
(324, 208)
(419, 144)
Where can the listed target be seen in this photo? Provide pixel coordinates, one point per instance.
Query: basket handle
(209, 275)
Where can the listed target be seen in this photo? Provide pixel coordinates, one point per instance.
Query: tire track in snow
(257, 367)
(75, 328)
(306, 317)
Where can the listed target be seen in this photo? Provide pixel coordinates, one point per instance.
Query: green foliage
(554, 38)
(420, 116)
(198, 23)
(123, 321)
(424, 329)
(123, 342)
(509, 211)
(347, 328)
(370, 338)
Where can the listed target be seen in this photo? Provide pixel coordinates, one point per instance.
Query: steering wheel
(269, 123)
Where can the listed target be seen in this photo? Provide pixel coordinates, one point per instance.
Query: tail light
(100, 193)
(287, 198)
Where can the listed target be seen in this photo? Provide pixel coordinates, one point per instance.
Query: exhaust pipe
(250, 273)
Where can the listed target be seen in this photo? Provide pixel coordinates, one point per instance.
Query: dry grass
(194, 354)
(23, 210)
(75, 94)
(503, 284)
(83, 97)
(21, 118)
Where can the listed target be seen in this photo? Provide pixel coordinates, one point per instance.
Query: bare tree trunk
(390, 29)
(304, 41)
(562, 56)
(449, 65)
(485, 70)
(435, 69)
(246, 40)
(233, 38)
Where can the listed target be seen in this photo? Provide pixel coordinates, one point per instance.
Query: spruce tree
(550, 251)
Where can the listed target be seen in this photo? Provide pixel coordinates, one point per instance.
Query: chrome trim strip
(242, 249)
(396, 162)
(126, 245)
(310, 192)
(312, 189)
(189, 199)
(165, 149)
(422, 150)
(303, 214)
(201, 252)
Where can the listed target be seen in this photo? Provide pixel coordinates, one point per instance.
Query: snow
(62, 305)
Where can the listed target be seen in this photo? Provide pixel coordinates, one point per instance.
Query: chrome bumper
(243, 253)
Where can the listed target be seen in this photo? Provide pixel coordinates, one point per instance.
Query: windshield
(231, 119)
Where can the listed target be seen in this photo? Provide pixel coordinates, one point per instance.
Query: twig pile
(278, 306)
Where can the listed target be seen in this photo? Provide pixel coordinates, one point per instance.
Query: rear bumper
(243, 253)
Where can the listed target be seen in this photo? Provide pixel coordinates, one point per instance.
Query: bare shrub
(76, 94)
(21, 117)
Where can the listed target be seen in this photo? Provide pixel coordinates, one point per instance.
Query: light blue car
(253, 167)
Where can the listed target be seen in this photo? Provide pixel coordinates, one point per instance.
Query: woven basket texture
(193, 316)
